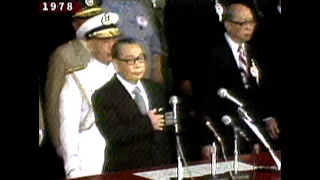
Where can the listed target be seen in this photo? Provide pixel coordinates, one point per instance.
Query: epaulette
(77, 68)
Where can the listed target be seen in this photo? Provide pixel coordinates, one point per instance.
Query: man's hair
(230, 11)
(115, 50)
(228, 14)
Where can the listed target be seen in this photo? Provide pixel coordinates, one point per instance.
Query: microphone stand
(176, 127)
(180, 157)
(236, 153)
(236, 174)
(248, 120)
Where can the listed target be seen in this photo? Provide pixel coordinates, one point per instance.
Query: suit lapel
(149, 92)
(230, 63)
(123, 97)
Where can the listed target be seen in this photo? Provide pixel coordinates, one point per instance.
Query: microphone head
(173, 100)
(222, 92)
(208, 123)
(226, 120)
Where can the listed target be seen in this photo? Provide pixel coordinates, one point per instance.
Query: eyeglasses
(141, 58)
(244, 23)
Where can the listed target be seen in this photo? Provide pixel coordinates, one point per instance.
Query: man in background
(81, 142)
(231, 64)
(66, 56)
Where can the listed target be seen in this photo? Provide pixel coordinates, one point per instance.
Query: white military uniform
(82, 145)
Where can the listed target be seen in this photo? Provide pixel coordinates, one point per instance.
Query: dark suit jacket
(133, 143)
(268, 39)
(222, 71)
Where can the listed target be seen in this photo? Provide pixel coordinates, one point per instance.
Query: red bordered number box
(59, 6)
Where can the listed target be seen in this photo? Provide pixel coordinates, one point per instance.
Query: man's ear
(115, 64)
(226, 25)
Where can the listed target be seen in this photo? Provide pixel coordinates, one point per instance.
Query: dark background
(55, 29)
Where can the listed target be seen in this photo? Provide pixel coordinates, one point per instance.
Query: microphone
(173, 100)
(223, 93)
(228, 121)
(209, 125)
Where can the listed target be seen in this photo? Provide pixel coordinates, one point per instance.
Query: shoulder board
(77, 68)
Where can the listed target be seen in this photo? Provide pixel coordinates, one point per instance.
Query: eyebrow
(244, 19)
(131, 56)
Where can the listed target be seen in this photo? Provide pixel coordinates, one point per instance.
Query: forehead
(130, 49)
(242, 12)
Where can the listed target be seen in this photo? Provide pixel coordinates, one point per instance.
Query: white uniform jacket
(82, 145)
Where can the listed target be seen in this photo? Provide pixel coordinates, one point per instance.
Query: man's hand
(272, 128)
(157, 120)
(206, 152)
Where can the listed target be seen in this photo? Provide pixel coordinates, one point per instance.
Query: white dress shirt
(234, 47)
(130, 87)
(83, 149)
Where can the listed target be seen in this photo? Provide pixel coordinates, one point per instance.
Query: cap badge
(109, 18)
(89, 2)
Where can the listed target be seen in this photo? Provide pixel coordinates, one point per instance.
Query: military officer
(66, 56)
(82, 144)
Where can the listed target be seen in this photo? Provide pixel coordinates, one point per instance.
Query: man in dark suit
(127, 113)
(233, 67)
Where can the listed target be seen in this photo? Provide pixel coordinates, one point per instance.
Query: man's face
(241, 27)
(101, 49)
(131, 62)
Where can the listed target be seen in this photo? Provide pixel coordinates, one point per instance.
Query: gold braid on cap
(106, 33)
(88, 12)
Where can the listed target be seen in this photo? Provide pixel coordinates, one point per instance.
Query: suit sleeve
(70, 114)
(111, 126)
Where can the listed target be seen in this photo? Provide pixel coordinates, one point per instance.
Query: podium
(263, 159)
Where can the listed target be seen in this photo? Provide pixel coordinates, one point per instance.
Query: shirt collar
(97, 64)
(233, 45)
(129, 86)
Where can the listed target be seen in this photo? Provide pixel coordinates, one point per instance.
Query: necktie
(139, 100)
(244, 65)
